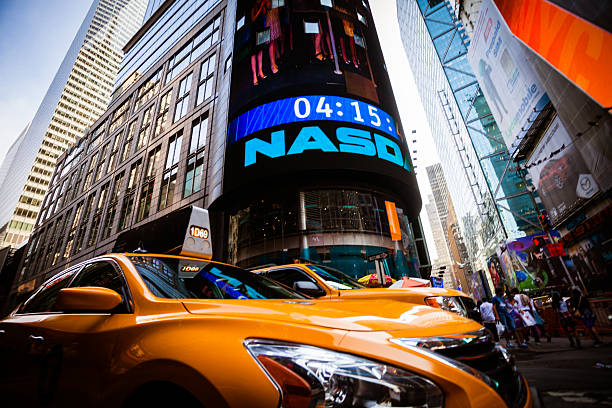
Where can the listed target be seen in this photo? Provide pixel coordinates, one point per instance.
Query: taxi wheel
(161, 394)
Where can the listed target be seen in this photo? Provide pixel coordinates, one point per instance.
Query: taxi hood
(351, 315)
(412, 295)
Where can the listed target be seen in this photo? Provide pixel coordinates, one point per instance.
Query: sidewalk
(557, 344)
(565, 377)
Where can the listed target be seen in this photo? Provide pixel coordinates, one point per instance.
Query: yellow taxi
(323, 282)
(129, 329)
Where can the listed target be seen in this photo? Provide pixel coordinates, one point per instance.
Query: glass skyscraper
(492, 201)
(78, 95)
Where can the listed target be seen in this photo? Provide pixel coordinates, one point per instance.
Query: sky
(36, 34)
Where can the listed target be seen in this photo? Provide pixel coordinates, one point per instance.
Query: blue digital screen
(311, 108)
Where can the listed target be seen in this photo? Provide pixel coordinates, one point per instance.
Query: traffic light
(539, 242)
(544, 221)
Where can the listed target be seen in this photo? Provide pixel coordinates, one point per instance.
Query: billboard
(559, 173)
(512, 89)
(524, 266)
(580, 50)
(310, 97)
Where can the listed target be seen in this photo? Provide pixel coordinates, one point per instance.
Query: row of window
(95, 169)
(98, 211)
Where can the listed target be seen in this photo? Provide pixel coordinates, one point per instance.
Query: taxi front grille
(487, 358)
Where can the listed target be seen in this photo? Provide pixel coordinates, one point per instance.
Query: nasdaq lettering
(313, 138)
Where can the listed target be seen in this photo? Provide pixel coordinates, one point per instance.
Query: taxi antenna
(140, 249)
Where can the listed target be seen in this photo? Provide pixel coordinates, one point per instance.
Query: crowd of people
(515, 315)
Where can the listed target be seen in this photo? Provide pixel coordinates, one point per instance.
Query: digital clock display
(311, 108)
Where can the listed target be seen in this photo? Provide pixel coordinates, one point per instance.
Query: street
(567, 377)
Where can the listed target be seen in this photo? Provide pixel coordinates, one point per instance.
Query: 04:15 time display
(302, 110)
(311, 108)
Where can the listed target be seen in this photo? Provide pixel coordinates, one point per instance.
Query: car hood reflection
(349, 315)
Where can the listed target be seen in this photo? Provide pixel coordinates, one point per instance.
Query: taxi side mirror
(308, 288)
(91, 299)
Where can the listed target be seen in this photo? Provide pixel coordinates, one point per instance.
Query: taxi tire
(158, 393)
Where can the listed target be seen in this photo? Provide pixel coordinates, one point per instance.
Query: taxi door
(28, 363)
(87, 339)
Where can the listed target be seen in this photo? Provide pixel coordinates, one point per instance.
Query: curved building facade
(316, 163)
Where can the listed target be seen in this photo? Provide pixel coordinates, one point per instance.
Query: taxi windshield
(179, 278)
(335, 278)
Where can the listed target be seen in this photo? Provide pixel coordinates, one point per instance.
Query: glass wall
(338, 228)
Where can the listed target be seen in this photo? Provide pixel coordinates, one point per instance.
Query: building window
(206, 82)
(78, 245)
(59, 239)
(208, 36)
(77, 183)
(145, 126)
(67, 194)
(168, 184)
(149, 89)
(96, 138)
(101, 159)
(161, 123)
(119, 116)
(195, 158)
(129, 198)
(146, 193)
(129, 138)
(73, 228)
(97, 216)
(89, 176)
(114, 150)
(182, 98)
(111, 210)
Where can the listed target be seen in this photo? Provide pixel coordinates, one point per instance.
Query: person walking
(523, 308)
(540, 322)
(502, 315)
(565, 318)
(488, 318)
(582, 306)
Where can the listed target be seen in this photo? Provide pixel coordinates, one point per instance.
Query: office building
(565, 150)
(491, 201)
(287, 134)
(78, 95)
(459, 260)
(442, 265)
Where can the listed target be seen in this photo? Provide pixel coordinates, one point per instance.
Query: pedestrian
(502, 315)
(519, 325)
(565, 318)
(540, 322)
(488, 317)
(581, 304)
(523, 308)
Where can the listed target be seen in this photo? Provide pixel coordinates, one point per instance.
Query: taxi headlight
(428, 345)
(310, 376)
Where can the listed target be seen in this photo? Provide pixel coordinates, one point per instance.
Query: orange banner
(578, 49)
(396, 232)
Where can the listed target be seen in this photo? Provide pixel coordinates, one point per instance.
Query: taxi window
(179, 278)
(44, 299)
(289, 276)
(103, 274)
(335, 278)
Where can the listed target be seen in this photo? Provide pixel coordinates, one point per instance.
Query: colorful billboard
(523, 264)
(512, 89)
(310, 97)
(577, 48)
(560, 174)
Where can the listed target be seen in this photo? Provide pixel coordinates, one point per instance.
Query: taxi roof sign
(197, 241)
(185, 232)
